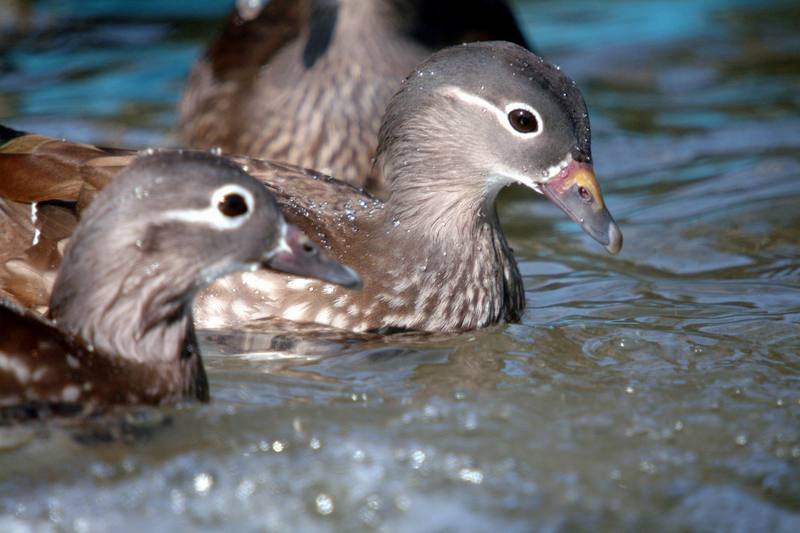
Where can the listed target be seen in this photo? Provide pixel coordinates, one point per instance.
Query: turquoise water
(656, 389)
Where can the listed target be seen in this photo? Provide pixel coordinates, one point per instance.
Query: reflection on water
(657, 388)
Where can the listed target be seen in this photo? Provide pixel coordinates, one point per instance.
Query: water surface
(659, 388)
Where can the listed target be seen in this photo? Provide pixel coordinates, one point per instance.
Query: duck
(120, 330)
(307, 81)
(467, 122)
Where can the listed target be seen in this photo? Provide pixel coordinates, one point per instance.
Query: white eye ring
(520, 105)
(212, 216)
(223, 195)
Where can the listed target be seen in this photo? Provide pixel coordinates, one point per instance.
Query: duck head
(164, 228)
(478, 117)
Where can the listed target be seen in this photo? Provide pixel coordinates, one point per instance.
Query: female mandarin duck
(467, 122)
(307, 81)
(121, 329)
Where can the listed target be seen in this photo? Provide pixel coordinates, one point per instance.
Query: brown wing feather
(316, 203)
(61, 178)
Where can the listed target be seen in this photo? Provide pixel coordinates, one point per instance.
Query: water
(654, 389)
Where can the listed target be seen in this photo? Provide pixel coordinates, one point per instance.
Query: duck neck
(143, 319)
(462, 254)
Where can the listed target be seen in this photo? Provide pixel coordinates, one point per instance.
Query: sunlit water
(660, 388)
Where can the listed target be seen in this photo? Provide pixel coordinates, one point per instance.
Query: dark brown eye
(309, 249)
(523, 121)
(585, 195)
(232, 205)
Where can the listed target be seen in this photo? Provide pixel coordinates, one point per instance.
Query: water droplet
(324, 504)
(216, 150)
(249, 9)
(471, 476)
(741, 439)
(417, 458)
(149, 151)
(203, 482)
(314, 443)
(245, 489)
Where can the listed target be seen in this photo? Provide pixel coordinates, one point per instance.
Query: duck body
(44, 370)
(414, 278)
(120, 328)
(307, 81)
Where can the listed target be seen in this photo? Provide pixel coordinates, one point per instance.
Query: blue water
(656, 390)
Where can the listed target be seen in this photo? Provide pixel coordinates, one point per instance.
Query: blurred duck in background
(307, 81)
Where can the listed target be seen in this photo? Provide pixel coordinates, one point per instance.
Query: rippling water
(659, 388)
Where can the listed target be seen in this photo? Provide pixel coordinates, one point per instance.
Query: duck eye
(232, 205)
(523, 121)
(309, 249)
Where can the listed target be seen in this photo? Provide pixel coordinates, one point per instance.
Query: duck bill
(299, 255)
(576, 192)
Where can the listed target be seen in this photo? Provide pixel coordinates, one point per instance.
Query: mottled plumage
(307, 81)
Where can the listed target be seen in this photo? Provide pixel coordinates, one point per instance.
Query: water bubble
(324, 504)
(647, 467)
(203, 482)
(245, 489)
(471, 476)
(216, 150)
(417, 458)
(177, 501)
(374, 502)
(402, 502)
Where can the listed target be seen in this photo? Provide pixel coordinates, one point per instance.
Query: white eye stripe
(500, 114)
(211, 216)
